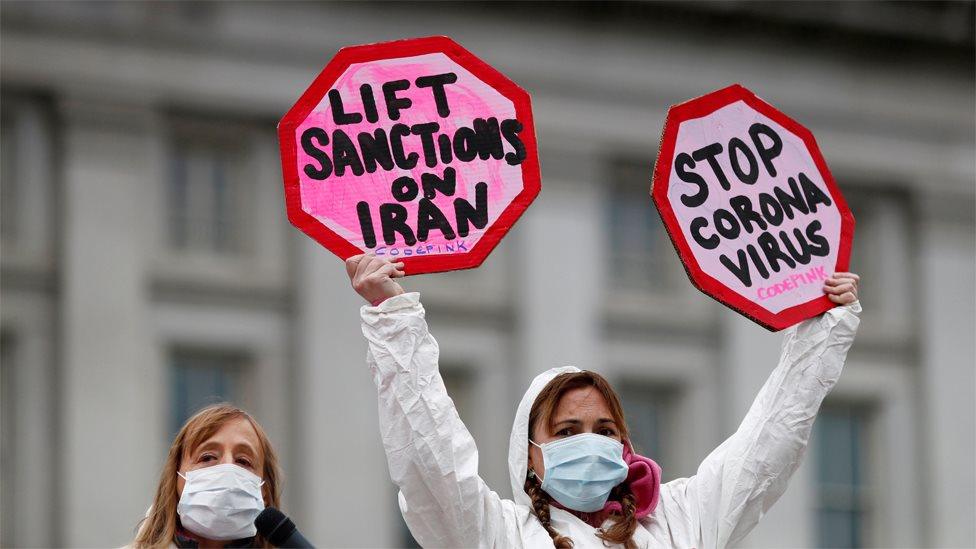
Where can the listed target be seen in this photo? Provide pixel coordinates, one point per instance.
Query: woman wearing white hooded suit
(575, 479)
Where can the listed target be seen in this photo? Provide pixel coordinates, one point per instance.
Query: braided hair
(621, 531)
(540, 507)
(624, 524)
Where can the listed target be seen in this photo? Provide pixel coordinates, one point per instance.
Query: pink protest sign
(751, 206)
(414, 150)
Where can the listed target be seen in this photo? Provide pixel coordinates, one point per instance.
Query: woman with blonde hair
(221, 472)
(575, 478)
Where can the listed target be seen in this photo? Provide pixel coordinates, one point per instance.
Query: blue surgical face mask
(581, 470)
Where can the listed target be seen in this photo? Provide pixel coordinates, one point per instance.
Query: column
(109, 393)
(344, 493)
(559, 270)
(947, 278)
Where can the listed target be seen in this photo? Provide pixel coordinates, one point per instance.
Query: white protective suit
(434, 461)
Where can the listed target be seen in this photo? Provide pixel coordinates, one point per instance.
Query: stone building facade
(148, 267)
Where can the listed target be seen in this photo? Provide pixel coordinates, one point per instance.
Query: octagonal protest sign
(751, 207)
(414, 150)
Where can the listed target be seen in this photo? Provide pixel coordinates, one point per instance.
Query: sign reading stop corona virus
(415, 150)
(751, 207)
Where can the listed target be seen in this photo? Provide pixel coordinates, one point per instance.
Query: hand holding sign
(841, 288)
(751, 207)
(414, 150)
(372, 277)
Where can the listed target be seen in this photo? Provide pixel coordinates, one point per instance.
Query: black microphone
(279, 530)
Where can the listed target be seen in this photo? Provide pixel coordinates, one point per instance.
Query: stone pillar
(27, 317)
(342, 484)
(109, 455)
(559, 271)
(946, 280)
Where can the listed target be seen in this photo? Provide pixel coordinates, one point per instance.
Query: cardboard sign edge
(706, 284)
(346, 56)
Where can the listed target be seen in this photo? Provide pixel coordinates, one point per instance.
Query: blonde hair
(542, 411)
(158, 529)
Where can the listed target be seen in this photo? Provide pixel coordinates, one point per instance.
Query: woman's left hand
(841, 288)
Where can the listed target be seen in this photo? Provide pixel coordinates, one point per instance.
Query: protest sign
(415, 150)
(751, 206)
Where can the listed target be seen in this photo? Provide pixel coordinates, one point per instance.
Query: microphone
(279, 530)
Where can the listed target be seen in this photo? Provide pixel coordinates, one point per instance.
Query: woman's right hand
(372, 277)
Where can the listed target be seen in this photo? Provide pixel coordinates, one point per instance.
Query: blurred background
(148, 267)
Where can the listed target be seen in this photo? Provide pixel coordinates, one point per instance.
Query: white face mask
(220, 502)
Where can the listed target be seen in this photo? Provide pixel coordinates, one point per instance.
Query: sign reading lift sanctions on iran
(751, 207)
(415, 150)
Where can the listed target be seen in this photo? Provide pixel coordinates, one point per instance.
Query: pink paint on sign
(381, 211)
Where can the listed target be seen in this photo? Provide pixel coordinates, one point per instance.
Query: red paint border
(703, 106)
(531, 176)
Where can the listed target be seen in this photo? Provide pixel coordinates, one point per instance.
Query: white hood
(518, 446)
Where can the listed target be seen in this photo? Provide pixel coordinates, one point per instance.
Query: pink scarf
(644, 479)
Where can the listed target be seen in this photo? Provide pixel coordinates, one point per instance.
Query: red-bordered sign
(751, 207)
(365, 170)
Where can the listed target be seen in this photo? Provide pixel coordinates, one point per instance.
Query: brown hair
(543, 409)
(159, 527)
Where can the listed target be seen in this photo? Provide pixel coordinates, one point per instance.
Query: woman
(575, 480)
(221, 472)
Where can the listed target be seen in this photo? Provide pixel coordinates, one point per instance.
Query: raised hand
(372, 277)
(841, 288)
